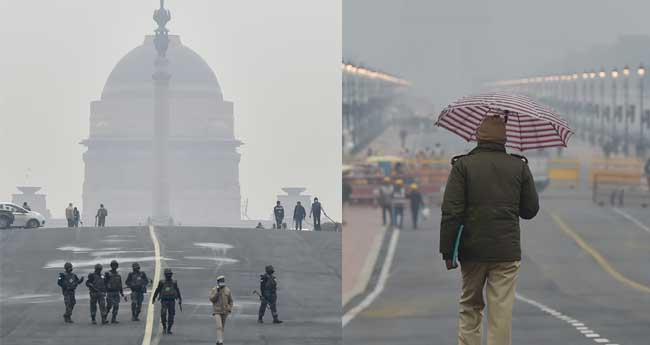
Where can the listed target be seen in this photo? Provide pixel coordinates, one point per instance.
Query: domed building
(203, 162)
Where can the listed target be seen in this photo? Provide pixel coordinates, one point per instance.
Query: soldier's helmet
(98, 267)
(67, 266)
(269, 269)
(136, 266)
(114, 264)
(168, 272)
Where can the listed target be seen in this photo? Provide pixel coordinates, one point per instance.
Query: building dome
(190, 74)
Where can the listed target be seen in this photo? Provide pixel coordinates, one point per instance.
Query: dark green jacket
(487, 191)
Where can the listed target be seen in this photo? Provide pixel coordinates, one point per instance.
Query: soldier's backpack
(114, 281)
(168, 289)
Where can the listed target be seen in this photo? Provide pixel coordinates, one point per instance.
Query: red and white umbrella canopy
(530, 125)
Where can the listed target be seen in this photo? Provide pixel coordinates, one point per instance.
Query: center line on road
(381, 283)
(631, 219)
(150, 308)
(599, 258)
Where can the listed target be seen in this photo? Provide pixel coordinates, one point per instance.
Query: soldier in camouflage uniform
(97, 290)
(68, 282)
(169, 292)
(268, 287)
(137, 281)
(114, 291)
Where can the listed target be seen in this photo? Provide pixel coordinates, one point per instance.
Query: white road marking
(146, 340)
(381, 283)
(632, 219)
(579, 326)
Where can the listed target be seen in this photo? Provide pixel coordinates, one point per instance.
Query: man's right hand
(451, 264)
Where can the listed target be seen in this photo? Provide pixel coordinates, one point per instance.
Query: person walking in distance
(299, 214)
(76, 217)
(385, 200)
(68, 282)
(97, 290)
(268, 296)
(416, 201)
(114, 291)
(487, 192)
(315, 210)
(137, 281)
(69, 215)
(398, 203)
(102, 213)
(222, 304)
(168, 292)
(278, 212)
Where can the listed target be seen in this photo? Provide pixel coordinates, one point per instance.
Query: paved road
(418, 304)
(307, 266)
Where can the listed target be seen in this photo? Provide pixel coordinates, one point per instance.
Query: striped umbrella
(530, 125)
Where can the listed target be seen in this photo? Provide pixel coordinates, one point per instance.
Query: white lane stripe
(632, 219)
(150, 308)
(579, 326)
(381, 283)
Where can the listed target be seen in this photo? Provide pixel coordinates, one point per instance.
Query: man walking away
(68, 282)
(416, 201)
(222, 303)
(646, 169)
(385, 200)
(97, 291)
(299, 214)
(114, 291)
(69, 215)
(487, 191)
(278, 212)
(315, 210)
(102, 213)
(169, 292)
(398, 203)
(268, 288)
(136, 281)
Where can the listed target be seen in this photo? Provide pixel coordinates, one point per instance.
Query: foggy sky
(278, 61)
(447, 47)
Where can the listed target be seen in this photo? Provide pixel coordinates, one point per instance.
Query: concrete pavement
(307, 266)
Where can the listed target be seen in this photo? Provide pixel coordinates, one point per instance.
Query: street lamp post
(626, 105)
(641, 146)
(601, 107)
(613, 113)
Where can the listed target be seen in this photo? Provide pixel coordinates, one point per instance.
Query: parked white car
(23, 217)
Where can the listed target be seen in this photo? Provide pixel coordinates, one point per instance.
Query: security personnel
(102, 213)
(222, 303)
(299, 214)
(114, 291)
(97, 290)
(169, 292)
(416, 202)
(316, 209)
(268, 286)
(68, 282)
(136, 281)
(398, 202)
(278, 212)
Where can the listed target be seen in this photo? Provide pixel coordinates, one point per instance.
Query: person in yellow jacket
(222, 303)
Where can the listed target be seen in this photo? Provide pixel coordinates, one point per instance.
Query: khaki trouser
(220, 320)
(499, 280)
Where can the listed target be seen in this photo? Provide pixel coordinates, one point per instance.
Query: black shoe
(169, 331)
(114, 321)
(260, 321)
(104, 321)
(93, 321)
(277, 321)
(164, 326)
